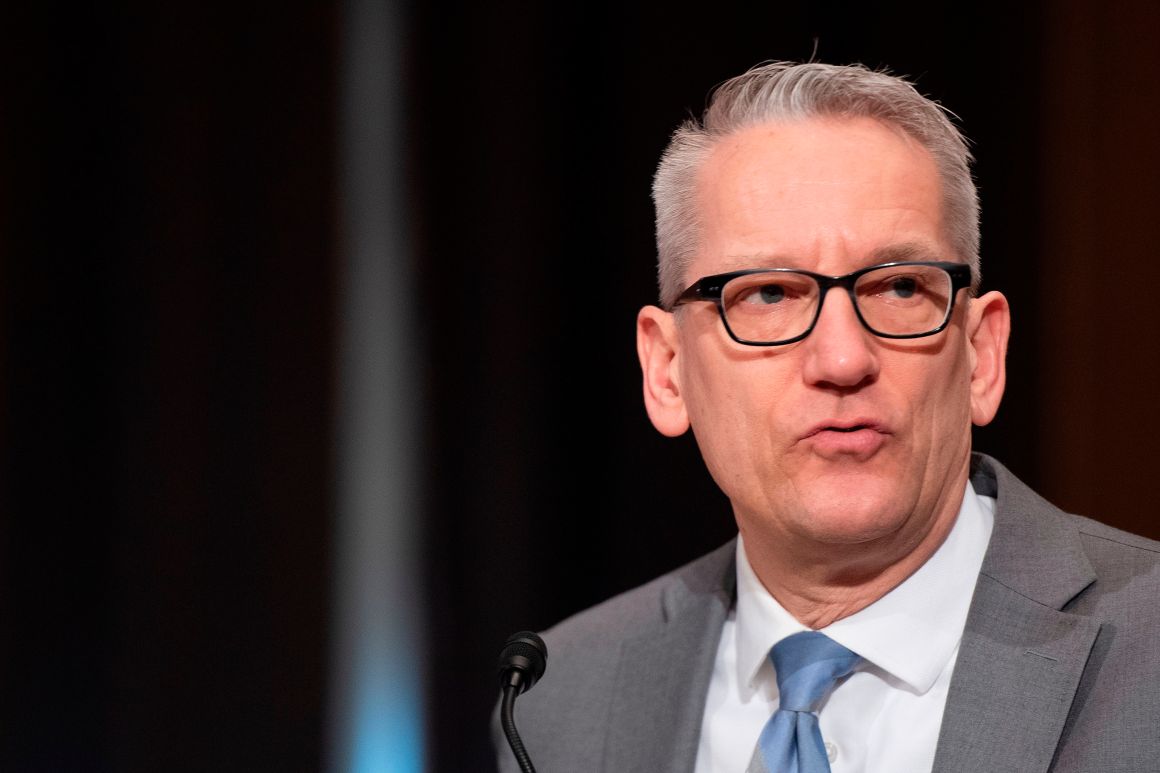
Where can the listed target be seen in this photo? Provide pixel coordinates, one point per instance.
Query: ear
(657, 348)
(988, 328)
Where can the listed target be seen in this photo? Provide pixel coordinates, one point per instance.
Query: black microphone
(522, 662)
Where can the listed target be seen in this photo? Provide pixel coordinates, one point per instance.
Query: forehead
(824, 194)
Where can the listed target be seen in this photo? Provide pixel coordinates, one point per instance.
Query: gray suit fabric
(1059, 667)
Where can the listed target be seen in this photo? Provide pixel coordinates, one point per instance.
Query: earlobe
(988, 328)
(658, 349)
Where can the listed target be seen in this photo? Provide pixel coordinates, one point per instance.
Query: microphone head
(522, 660)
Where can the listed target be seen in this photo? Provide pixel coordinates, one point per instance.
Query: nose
(840, 352)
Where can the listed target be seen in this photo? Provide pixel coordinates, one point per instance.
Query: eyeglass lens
(779, 305)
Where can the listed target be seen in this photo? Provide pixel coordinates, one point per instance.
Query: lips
(857, 437)
(846, 426)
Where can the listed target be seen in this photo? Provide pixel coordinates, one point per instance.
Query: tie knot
(807, 665)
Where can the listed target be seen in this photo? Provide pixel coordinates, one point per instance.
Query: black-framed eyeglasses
(777, 306)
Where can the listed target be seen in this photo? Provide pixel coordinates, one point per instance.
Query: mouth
(846, 427)
(848, 439)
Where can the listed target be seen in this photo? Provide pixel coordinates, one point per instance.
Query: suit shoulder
(636, 611)
(1127, 577)
(1056, 558)
(1126, 565)
(1116, 540)
(565, 717)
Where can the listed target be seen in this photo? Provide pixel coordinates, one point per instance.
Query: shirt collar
(911, 633)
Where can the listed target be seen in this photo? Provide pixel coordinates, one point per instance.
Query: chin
(854, 518)
(847, 529)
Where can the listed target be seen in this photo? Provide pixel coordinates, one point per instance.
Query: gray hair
(785, 91)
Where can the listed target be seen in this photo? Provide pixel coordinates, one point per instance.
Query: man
(821, 335)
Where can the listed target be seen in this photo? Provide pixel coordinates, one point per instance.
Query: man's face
(843, 437)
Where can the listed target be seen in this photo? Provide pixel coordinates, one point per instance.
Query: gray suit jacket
(1059, 668)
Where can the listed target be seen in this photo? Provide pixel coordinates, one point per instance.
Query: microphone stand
(508, 721)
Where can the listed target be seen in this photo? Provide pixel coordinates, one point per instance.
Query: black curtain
(168, 317)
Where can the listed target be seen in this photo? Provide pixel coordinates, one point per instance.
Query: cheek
(714, 413)
(940, 395)
(733, 407)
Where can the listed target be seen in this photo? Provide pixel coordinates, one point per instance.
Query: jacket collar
(1035, 549)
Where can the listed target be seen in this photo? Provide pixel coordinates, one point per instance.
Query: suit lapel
(655, 717)
(1021, 657)
(1018, 670)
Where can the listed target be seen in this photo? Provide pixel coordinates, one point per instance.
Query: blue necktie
(808, 664)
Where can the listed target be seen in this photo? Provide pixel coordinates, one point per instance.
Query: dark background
(170, 267)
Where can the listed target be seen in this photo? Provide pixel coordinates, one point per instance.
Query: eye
(894, 287)
(903, 286)
(767, 294)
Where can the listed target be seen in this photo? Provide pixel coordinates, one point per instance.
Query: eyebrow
(904, 252)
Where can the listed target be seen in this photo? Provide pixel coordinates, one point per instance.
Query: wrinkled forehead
(818, 190)
(890, 253)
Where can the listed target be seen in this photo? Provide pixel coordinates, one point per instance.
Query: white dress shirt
(885, 717)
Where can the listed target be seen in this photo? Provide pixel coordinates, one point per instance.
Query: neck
(821, 583)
